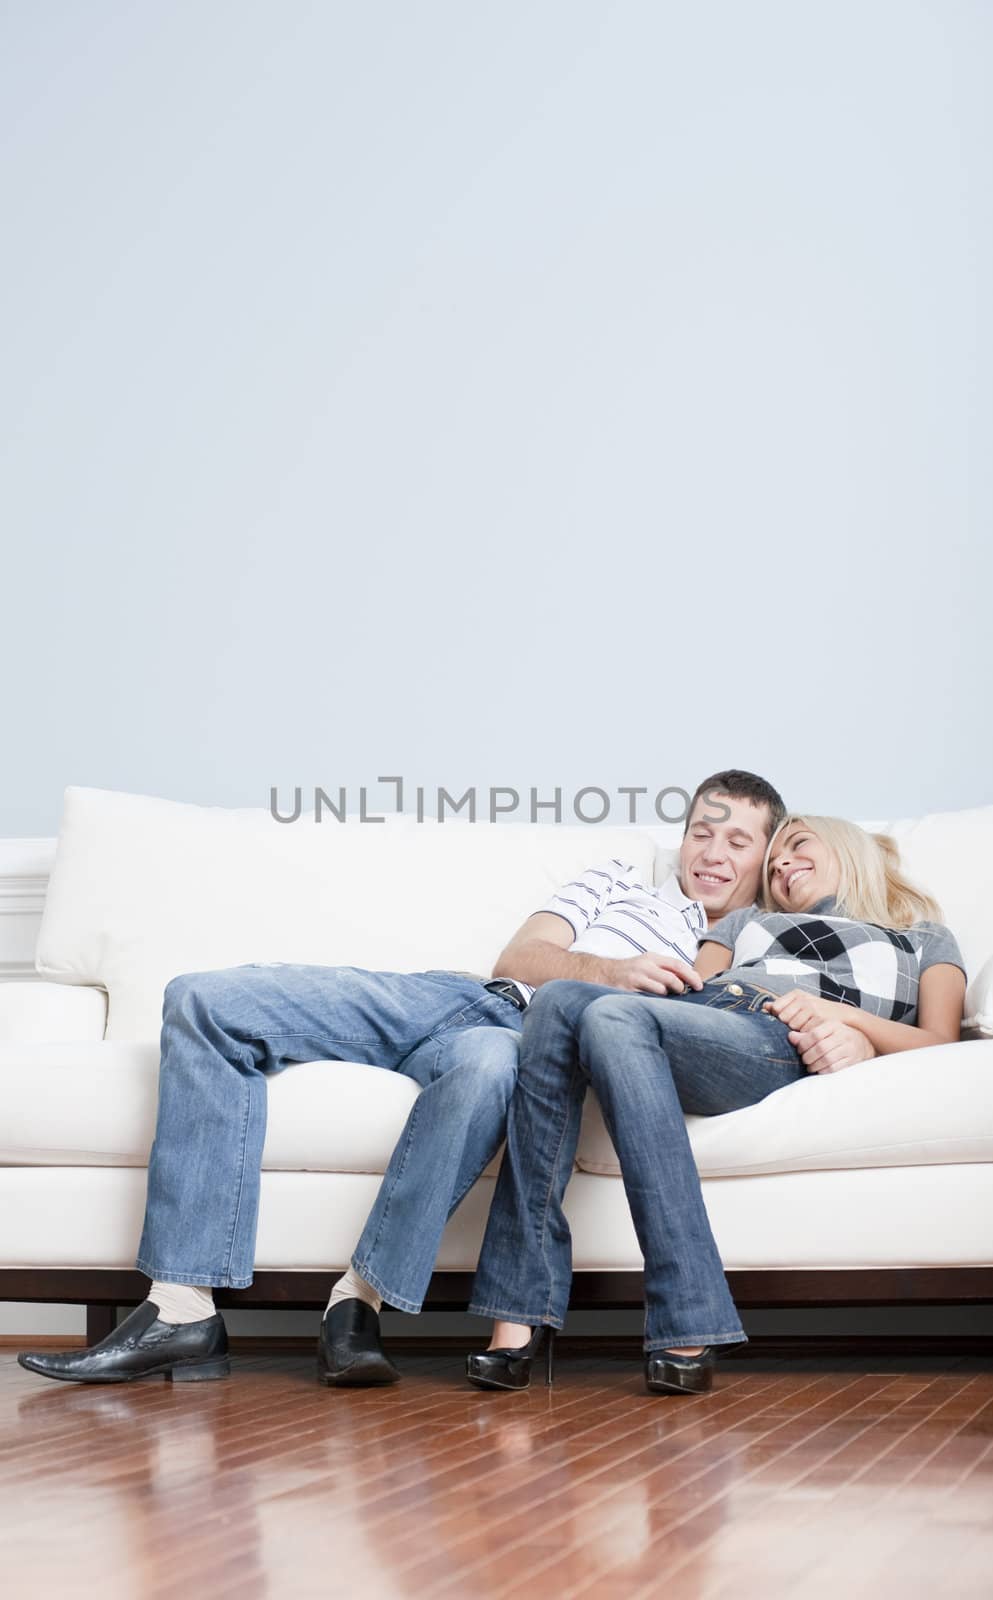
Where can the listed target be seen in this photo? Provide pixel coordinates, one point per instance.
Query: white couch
(882, 1174)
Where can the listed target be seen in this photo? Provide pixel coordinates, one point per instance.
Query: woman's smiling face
(802, 869)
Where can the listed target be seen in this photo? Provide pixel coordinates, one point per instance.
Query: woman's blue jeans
(649, 1061)
(224, 1032)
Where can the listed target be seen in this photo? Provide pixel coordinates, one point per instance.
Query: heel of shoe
(200, 1371)
(666, 1373)
(511, 1369)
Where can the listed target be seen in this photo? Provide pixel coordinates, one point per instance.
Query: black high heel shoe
(669, 1373)
(511, 1369)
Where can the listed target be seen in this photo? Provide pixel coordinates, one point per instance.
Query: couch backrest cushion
(950, 853)
(143, 889)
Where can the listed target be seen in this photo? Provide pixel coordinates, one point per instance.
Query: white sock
(352, 1287)
(181, 1302)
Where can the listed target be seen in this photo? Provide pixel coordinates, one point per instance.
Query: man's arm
(539, 952)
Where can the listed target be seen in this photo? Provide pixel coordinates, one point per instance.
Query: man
(456, 1035)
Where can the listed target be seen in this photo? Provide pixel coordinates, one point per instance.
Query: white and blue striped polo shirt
(613, 914)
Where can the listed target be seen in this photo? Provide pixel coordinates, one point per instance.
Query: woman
(847, 961)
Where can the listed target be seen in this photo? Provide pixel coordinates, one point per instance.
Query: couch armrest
(979, 1003)
(53, 1012)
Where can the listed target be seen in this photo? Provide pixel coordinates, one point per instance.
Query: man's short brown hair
(742, 786)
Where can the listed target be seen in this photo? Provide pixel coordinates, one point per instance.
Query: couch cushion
(914, 1109)
(886, 1218)
(95, 1105)
(144, 889)
(51, 1011)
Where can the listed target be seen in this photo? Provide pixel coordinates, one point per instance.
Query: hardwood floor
(816, 1476)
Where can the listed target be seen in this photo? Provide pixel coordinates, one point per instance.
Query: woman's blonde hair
(872, 886)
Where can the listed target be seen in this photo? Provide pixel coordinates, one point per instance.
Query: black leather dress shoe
(667, 1373)
(349, 1352)
(142, 1347)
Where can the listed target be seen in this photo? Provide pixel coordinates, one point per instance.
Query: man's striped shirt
(613, 914)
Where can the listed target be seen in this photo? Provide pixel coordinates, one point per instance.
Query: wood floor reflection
(851, 1476)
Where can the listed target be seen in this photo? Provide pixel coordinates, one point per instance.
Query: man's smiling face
(720, 859)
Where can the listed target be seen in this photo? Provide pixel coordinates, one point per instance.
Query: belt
(508, 991)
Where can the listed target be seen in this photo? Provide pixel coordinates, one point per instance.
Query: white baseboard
(25, 1319)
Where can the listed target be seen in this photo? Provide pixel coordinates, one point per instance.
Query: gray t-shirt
(827, 953)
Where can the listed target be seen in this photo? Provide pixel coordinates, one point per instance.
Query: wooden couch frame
(102, 1290)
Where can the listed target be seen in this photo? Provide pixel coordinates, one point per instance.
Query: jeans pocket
(489, 1010)
(723, 1000)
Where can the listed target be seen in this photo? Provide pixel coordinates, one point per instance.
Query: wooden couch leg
(100, 1320)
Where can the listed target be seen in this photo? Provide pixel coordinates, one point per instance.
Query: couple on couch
(688, 997)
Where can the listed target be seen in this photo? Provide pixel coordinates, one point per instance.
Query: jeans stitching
(455, 1198)
(575, 1074)
(232, 1232)
(202, 1278)
(383, 1290)
(478, 1012)
(501, 1314)
(695, 1338)
(267, 1036)
(411, 1122)
(258, 1030)
(753, 1008)
(459, 1195)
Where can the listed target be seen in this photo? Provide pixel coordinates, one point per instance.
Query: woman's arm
(939, 1014)
(711, 959)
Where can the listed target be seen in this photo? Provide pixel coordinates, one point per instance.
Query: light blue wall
(536, 392)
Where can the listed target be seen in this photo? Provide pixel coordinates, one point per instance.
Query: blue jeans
(224, 1032)
(649, 1060)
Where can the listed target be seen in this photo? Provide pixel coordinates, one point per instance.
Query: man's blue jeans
(649, 1060)
(224, 1032)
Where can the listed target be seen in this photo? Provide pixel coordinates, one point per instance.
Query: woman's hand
(830, 1046)
(804, 1011)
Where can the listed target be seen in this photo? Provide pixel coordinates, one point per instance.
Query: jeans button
(735, 988)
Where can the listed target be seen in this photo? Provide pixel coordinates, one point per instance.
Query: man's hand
(829, 1046)
(803, 1011)
(654, 975)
